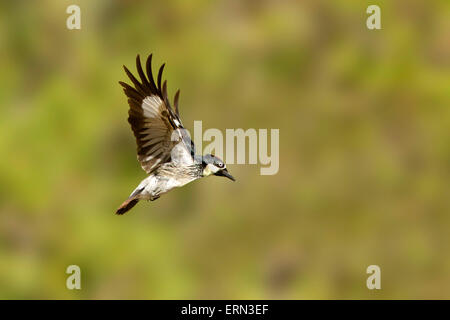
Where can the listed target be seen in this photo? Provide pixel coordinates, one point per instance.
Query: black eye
(219, 164)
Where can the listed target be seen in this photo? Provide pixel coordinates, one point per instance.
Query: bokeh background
(364, 173)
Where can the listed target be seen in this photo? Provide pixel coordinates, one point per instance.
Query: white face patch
(210, 169)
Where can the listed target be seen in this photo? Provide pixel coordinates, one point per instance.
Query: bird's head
(214, 165)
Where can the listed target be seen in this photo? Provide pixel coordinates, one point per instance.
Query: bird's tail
(128, 204)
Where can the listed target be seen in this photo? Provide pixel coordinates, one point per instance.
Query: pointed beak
(224, 173)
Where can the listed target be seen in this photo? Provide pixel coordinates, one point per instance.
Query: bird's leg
(154, 198)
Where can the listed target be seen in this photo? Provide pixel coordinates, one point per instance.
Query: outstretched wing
(160, 135)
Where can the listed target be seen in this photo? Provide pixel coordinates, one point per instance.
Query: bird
(164, 149)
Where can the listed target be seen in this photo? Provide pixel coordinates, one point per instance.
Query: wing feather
(156, 127)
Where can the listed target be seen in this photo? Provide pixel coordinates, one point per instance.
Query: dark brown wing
(156, 126)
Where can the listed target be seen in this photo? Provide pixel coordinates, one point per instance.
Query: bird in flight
(164, 148)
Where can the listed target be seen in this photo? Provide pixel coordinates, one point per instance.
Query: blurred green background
(364, 173)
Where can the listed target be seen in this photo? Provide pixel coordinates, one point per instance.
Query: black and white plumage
(164, 148)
